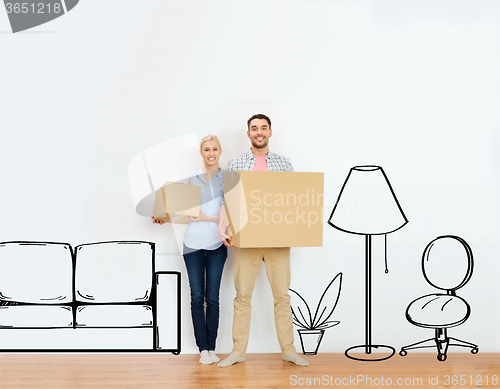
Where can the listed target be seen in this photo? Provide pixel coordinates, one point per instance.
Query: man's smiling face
(259, 133)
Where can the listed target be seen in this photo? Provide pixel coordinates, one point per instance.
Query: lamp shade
(367, 204)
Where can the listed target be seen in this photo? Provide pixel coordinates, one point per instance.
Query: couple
(205, 252)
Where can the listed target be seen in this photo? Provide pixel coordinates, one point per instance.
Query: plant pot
(310, 341)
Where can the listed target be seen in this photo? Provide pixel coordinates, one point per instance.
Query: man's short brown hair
(259, 116)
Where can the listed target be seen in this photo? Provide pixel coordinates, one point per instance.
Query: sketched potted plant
(312, 328)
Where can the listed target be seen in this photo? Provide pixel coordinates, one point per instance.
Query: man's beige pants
(246, 267)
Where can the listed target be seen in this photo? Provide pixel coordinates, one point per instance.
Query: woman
(204, 254)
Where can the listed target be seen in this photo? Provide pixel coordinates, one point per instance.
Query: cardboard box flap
(174, 202)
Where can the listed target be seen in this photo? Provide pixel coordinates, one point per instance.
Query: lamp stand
(364, 352)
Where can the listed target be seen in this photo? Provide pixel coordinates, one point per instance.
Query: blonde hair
(209, 138)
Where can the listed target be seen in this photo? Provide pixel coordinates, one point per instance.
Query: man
(248, 261)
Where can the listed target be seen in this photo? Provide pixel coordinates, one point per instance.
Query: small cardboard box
(174, 201)
(274, 209)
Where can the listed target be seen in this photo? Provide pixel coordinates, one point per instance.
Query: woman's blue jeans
(204, 268)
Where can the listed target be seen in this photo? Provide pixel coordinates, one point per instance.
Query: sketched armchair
(447, 264)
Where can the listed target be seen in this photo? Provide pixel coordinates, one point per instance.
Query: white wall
(412, 86)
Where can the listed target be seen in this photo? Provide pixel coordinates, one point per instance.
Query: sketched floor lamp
(368, 206)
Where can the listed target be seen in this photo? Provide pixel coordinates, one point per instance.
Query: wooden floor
(70, 371)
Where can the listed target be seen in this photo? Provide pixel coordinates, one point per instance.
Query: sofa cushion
(36, 316)
(114, 315)
(36, 272)
(114, 272)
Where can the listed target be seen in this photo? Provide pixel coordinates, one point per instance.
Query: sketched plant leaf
(300, 311)
(327, 324)
(328, 302)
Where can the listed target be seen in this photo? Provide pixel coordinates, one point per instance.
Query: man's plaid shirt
(275, 162)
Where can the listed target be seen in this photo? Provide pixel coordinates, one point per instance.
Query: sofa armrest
(167, 318)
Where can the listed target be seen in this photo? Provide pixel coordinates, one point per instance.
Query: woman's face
(210, 152)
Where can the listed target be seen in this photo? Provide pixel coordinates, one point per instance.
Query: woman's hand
(156, 221)
(201, 218)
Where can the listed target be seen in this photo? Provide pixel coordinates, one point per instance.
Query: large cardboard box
(174, 202)
(274, 209)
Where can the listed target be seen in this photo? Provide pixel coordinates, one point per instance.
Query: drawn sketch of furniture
(447, 264)
(368, 206)
(102, 296)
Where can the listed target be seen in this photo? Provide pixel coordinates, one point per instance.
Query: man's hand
(226, 239)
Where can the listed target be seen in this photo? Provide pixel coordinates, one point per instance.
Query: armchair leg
(462, 343)
(427, 343)
(442, 343)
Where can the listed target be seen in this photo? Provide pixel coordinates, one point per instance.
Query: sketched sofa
(102, 296)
